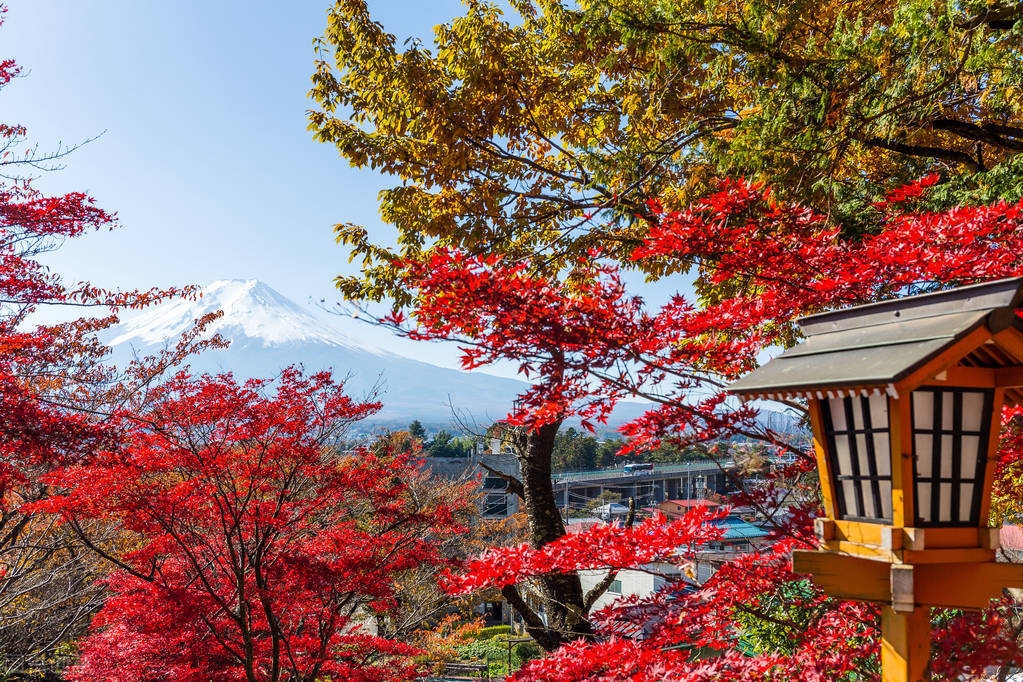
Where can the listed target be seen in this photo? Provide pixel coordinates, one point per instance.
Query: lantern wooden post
(821, 454)
(905, 644)
(905, 637)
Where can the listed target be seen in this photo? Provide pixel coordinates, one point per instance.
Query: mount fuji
(268, 332)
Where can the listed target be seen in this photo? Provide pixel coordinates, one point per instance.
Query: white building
(633, 582)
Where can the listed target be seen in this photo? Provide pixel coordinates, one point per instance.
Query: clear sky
(204, 152)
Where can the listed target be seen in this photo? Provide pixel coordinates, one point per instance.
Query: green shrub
(494, 631)
(480, 649)
(527, 651)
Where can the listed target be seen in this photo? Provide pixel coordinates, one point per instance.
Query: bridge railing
(698, 466)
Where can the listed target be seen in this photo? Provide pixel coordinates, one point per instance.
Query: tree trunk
(561, 595)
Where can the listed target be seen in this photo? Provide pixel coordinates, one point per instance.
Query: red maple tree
(587, 343)
(261, 545)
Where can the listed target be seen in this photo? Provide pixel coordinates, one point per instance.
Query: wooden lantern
(905, 398)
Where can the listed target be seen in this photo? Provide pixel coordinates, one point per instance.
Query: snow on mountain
(252, 312)
(268, 332)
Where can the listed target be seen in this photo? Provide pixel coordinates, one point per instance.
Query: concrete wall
(633, 582)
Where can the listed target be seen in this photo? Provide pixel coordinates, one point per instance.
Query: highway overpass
(666, 482)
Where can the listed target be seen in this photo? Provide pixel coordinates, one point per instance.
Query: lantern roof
(880, 344)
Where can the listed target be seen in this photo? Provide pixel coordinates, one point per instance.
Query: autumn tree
(417, 431)
(425, 612)
(542, 133)
(574, 451)
(587, 343)
(260, 552)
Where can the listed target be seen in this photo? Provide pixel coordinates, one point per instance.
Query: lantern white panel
(867, 490)
(923, 409)
(973, 411)
(837, 408)
(947, 423)
(946, 457)
(882, 452)
(949, 470)
(886, 499)
(849, 492)
(970, 451)
(857, 438)
(923, 501)
(857, 412)
(965, 501)
(923, 443)
(945, 503)
(843, 455)
(862, 453)
(879, 411)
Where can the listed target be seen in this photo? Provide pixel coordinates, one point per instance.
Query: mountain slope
(268, 331)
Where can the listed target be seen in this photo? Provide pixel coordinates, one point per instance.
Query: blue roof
(737, 529)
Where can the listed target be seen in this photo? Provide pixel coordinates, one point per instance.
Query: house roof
(879, 344)
(693, 503)
(737, 529)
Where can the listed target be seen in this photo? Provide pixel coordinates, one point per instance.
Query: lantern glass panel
(856, 437)
(950, 439)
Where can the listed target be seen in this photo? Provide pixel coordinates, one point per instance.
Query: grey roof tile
(881, 343)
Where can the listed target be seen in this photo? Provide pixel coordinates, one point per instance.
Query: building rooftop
(611, 509)
(693, 503)
(737, 529)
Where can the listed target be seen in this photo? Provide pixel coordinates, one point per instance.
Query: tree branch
(991, 134)
(999, 17)
(514, 484)
(950, 155)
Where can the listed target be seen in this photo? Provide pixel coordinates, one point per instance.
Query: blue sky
(206, 157)
(204, 152)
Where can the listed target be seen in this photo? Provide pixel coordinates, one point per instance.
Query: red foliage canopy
(263, 545)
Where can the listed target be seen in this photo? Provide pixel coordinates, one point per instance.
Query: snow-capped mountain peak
(254, 313)
(268, 331)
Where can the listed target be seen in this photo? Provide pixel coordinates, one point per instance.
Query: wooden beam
(867, 551)
(873, 535)
(966, 377)
(944, 538)
(909, 538)
(845, 576)
(859, 532)
(1011, 341)
(1009, 377)
(944, 361)
(958, 585)
(951, 555)
(964, 585)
